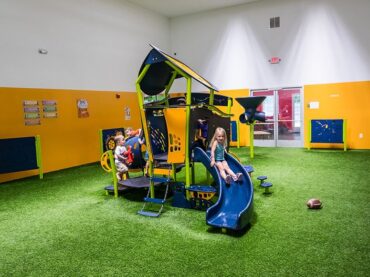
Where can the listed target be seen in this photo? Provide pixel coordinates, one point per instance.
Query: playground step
(151, 214)
(160, 179)
(248, 168)
(110, 188)
(154, 200)
(266, 185)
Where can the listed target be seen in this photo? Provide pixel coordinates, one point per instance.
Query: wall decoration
(127, 113)
(31, 111)
(30, 103)
(31, 115)
(328, 131)
(82, 105)
(49, 108)
(50, 115)
(31, 122)
(49, 102)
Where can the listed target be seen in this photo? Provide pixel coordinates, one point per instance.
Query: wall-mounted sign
(30, 102)
(314, 105)
(127, 113)
(31, 115)
(31, 111)
(50, 115)
(82, 105)
(31, 122)
(49, 108)
(274, 60)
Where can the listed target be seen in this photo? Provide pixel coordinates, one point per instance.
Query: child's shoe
(118, 176)
(228, 179)
(239, 176)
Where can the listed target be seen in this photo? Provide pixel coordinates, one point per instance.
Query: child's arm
(213, 149)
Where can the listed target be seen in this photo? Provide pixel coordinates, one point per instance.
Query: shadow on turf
(234, 233)
(138, 194)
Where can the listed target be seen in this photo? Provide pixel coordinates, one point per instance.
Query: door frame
(275, 142)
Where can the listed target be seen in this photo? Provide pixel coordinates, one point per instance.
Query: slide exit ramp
(234, 207)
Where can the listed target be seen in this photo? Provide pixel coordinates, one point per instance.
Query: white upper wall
(100, 44)
(319, 41)
(92, 44)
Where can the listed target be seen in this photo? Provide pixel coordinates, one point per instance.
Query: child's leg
(228, 170)
(222, 172)
(120, 167)
(221, 169)
(146, 168)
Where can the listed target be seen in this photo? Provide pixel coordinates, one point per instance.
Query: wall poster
(82, 108)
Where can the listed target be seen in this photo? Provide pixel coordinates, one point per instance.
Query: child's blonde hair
(118, 138)
(219, 130)
(128, 131)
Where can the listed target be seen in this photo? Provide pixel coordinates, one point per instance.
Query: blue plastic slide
(234, 207)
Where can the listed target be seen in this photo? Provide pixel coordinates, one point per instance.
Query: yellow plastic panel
(176, 128)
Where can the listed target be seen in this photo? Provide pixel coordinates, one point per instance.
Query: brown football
(314, 204)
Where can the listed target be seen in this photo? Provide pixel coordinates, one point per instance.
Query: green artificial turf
(65, 225)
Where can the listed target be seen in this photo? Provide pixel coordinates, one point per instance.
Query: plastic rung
(151, 214)
(262, 178)
(154, 200)
(160, 179)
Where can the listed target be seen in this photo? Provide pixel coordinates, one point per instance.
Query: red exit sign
(274, 60)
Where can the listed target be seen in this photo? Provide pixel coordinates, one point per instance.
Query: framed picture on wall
(127, 113)
(82, 108)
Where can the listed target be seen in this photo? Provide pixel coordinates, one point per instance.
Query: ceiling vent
(274, 22)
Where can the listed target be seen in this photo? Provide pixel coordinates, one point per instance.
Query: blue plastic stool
(249, 169)
(266, 186)
(262, 179)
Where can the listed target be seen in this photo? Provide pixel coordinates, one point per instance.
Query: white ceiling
(172, 8)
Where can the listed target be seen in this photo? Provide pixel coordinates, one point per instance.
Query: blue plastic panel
(234, 133)
(108, 138)
(17, 154)
(327, 131)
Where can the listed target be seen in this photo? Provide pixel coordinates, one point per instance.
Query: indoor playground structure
(137, 164)
(170, 126)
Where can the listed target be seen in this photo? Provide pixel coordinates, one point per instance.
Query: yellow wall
(237, 110)
(349, 101)
(67, 140)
